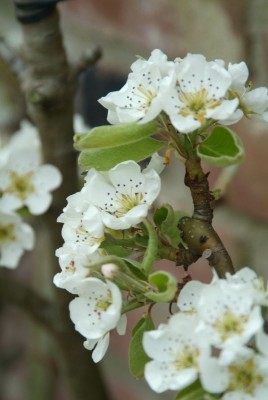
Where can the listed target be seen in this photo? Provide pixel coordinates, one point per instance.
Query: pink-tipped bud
(109, 270)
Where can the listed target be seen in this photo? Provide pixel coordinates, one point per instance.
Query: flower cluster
(112, 200)
(24, 183)
(192, 92)
(217, 336)
(111, 246)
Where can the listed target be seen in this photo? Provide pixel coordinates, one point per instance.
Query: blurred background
(219, 29)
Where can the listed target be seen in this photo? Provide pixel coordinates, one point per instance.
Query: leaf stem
(151, 251)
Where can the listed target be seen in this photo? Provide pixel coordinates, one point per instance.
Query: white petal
(233, 118)
(183, 124)
(131, 218)
(101, 348)
(9, 202)
(161, 377)
(156, 343)
(122, 325)
(38, 203)
(153, 373)
(262, 342)
(24, 160)
(257, 100)
(89, 344)
(189, 296)
(126, 175)
(10, 256)
(214, 377)
(224, 111)
(47, 178)
(239, 73)
(156, 163)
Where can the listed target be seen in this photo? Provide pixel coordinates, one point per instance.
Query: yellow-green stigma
(128, 202)
(20, 184)
(104, 303)
(230, 324)
(188, 359)
(148, 95)
(244, 377)
(7, 233)
(196, 104)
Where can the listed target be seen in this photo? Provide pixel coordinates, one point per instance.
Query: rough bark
(49, 86)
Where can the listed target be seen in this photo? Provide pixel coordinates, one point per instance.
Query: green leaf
(104, 158)
(135, 268)
(114, 135)
(165, 284)
(137, 358)
(222, 148)
(118, 251)
(193, 392)
(166, 219)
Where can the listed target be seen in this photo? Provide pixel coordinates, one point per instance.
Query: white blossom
(124, 194)
(15, 238)
(101, 345)
(26, 137)
(24, 182)
(141, 98)
(245, 378)
(97, 310)
(157, 58)
(252, 101)
(199, 95)
(254, 284)
(175, 350)
(228, 317)
(74, 266)
(77, 204)
(86, 231)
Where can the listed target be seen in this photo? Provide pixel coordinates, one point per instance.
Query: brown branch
(49, 87)
(197, 181)
(200, 236)
(88, 59)
(198, 232)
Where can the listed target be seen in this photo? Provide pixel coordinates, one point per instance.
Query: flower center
(230, 324)
(196, 104)
(188, 359)
(20, 185)
(147, 96)
(70, 268)
(103, 303)
(127, 202)
(7, 233)
(85, 237)
(245, 377)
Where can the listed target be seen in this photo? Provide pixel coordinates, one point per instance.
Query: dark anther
(203, 239)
